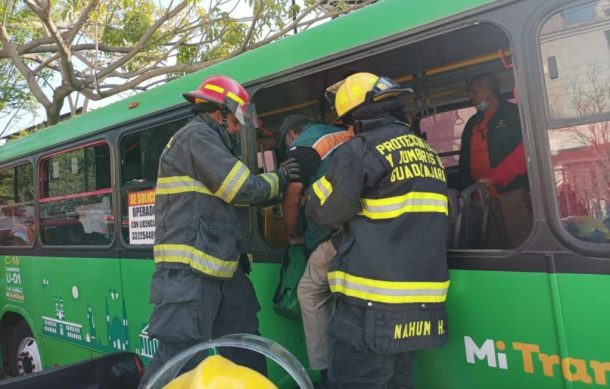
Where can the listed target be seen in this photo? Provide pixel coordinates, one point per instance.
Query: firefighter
(312, 145)
(385, 195)
(199, 289)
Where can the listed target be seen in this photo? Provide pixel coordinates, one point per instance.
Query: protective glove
(289, 171)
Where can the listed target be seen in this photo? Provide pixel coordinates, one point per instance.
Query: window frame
(544, 123)
(42, 157)
(482, 15)
(546, 13)
(34, 202)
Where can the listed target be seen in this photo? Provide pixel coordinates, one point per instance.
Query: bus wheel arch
(20, 349)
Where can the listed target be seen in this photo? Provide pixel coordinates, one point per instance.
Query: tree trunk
(52, 114)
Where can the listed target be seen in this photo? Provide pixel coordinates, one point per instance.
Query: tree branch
(29, 76)
(63, 48)
(80, 21)
(138, 46)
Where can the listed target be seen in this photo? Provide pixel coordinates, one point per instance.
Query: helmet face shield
(331, 93)
(246, 116)
(240, 109)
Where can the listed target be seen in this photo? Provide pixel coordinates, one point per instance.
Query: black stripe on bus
(566, 263)
(532, 262)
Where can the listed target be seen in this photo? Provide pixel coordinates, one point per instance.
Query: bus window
(16, 206)
(140, 154)
(443, 132)
(579, 89)
(439, 85)
(76, 197)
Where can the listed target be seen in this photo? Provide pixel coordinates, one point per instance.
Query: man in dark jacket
(385, 192)
(199, 289)
(493, 154)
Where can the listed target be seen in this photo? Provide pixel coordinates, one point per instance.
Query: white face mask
(482, 106)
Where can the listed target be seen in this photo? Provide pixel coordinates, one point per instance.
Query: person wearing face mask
(492, 154)
(313, 146)
(200, 289)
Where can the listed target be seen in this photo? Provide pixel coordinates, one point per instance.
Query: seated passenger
(492, 154)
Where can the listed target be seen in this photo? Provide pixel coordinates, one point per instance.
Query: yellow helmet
(217, 372)
(360, 89)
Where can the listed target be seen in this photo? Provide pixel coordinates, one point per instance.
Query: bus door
(139, 153)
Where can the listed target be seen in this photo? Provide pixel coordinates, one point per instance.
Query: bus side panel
(137, 274)
(58, 353)
(77, 301)
(497, 321)
(585, 304)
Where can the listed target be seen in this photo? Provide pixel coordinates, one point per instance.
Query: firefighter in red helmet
(200, 289)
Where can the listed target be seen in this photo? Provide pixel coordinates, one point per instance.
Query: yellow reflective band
(197, 259)
(392, 207)
(322, 188)
(274, 183)
(389, 292)
(179, 184)
(215, 88)
(235, 98)
(233, 182)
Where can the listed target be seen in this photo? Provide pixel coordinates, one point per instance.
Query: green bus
(76, 199)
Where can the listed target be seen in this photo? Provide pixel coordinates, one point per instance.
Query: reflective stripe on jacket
(386, 190)
(199, 183)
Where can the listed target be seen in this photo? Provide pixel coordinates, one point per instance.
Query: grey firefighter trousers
(190, 308)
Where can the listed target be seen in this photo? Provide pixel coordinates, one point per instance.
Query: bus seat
(456, 207)
(51, 235)
(473, 229)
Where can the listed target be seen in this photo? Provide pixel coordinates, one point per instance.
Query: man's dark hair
(296, 123)
(488, 80)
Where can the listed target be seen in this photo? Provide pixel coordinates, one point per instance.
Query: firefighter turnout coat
(385, 191)
(199, 183)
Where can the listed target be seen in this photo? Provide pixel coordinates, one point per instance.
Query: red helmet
(224, 91)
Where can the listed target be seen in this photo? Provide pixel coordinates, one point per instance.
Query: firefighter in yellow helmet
(385, 195)
(216, 372)
(200, 288)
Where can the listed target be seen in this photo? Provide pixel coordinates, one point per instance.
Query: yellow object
(217, 372)
(356, 90)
